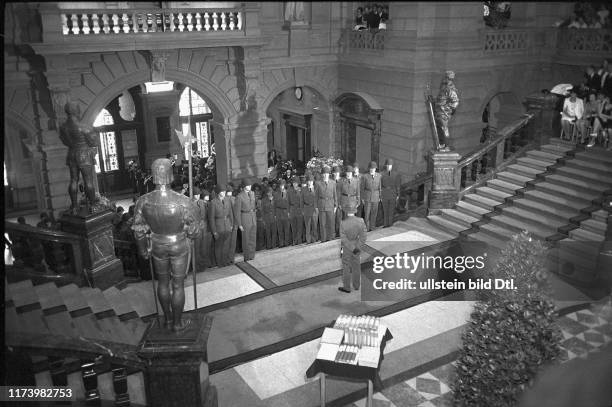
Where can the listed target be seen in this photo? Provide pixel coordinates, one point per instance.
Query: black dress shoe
(344, 290)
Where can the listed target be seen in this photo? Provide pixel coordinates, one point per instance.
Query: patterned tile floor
(583, 331)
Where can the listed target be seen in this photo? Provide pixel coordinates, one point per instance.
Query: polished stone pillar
(446, 179)
(177, 373)
(102, 268)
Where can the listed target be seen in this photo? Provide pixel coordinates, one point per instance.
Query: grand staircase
(554, 192)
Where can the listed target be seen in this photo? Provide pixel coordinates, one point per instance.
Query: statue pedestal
(446, 179)
(102, 268)
(177, 375)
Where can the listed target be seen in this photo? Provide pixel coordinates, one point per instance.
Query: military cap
(349, 209)
(204, 193)
(349, 168)
(295, 180)
(355, 164)
(325, 170)
(311, 177)
(246, 182)
(372, 165)
(337, 169)
(389, 161)
(219, 189)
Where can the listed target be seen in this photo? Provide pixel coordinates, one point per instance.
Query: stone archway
(500, 110)
(358, 121)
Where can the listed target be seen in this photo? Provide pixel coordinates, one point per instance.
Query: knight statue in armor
(81, 143)
(446, 104)
(164, 221)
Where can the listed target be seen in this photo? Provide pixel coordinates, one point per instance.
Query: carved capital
(158, 65)
(60, 95)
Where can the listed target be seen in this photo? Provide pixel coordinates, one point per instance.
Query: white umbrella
(561, 89)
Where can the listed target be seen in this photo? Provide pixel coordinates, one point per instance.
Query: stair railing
(46, 255)
(63, 355)
(414, 194)
(484, 162)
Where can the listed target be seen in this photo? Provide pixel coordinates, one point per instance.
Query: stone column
(177, 373)
(446, 179)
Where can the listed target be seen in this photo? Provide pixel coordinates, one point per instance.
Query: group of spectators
(591, 121)
(372, 17)
(588, 15)
(122, 223)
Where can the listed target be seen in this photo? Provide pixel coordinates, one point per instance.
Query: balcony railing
(506, 40)
(364, 39)
(106, 22)
(585, 40)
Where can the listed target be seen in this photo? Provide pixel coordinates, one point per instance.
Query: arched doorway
(358, 128)
(501, 110)
(299, 125)
(150, 133)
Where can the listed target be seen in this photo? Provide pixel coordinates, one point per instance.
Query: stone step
(487, 238)
(514, 178)
(471, 209)
(517, 225)
(537, 164)
(571, 265)
(589, 187)
(142, 302)
(504, 186)
(601, 215)
(23, 293)
(585, 235)
(494, 194)
(459, 217)
(566, 144)
(595, 226)
(556, 201)
(32, 321)
(88, 327)
(583, 175)
(590, 164)
(543, 210)
(118, 330)
(74, 300)
(96, 300)
(49, 296)
(498, 232)
(446, 224)
(562, 191)
(482, 201)
(523, 170)
(118, 301)
(535, 218)
(601, 156)
(60, 323)
(554, 149)
(11, 320)
(543, 155)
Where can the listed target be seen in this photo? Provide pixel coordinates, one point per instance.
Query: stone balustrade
(116, 22)
(506, 40)
(585, 40)
(365, 39)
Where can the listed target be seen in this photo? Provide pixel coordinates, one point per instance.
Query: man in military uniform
(203, 242)
(350, 194)
(229, 194)
(220, 219)
(296, 215)
(81, 143)
(390, 185)
(246, 219)
(370, 195)
(281, 201)
(268, 209)
(327, 203)
(261, 226)
(163, 221)
(357, 176)
(338, 215)
(353, 234)
(311, 213)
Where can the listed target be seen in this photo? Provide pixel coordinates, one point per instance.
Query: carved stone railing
(133, 21)
(34, 247)
(414, 194)
(482, 163)
(506, 40)
(364, 39)
(585, 40)
(30, 354)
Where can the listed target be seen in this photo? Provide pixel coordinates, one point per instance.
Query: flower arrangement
(205, 171)
(318, 161)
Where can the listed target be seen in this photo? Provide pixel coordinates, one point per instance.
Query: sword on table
(186, 140)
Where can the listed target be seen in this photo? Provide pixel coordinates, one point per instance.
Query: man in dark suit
(353, 235)
(220, 219)
(390, 187)
(203, 242)
(281, 202)
(311, 213)
(296, 215)
(370, 195)
(246, 219)
(592, 80)
(327, 203)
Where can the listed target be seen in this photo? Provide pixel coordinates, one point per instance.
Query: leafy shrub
(511, 334)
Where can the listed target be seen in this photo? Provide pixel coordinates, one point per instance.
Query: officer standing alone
(352, 238)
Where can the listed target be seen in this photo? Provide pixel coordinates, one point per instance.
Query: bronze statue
(446, 104)
(81, 143)
(164, 220)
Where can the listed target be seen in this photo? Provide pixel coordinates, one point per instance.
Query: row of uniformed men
(307, 211)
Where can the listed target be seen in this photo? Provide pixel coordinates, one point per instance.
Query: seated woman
(591, 111)
(359, 20)
(603, 121)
